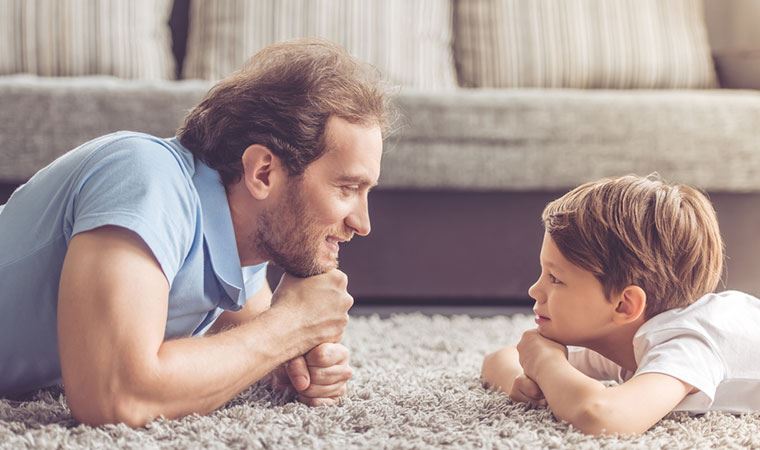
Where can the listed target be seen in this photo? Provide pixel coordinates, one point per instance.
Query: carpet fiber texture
(415, 385)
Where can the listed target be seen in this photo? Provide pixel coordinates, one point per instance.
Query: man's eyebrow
(356, 179)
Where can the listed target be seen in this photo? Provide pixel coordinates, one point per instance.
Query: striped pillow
(125, 38)
(582, 44)
(409, 41)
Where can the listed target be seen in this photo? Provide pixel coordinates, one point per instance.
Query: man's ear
(260, 167)
(631, 305)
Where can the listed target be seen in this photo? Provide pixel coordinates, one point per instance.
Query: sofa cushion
(52, 115)
(473, 140)
(408, 40)
(125, 38)
(582, 44)
(553, 139)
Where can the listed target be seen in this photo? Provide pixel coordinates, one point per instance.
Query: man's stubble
(290, 236)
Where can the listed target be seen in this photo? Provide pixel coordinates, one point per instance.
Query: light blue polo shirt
(152, 186)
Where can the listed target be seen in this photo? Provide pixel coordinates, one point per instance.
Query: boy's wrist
(550, 363)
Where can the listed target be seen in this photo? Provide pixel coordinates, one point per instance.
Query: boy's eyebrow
(551, 265)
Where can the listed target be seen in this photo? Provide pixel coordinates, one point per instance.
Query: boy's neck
(617, 345)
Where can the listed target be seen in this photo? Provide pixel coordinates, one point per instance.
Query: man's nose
(358, 220)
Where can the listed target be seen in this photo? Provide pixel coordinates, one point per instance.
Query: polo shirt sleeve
(139, 184)
(254, 278)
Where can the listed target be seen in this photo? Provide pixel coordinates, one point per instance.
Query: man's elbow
(116, 407)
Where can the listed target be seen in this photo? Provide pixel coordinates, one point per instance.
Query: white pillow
(582, 44)
(125, 38)
(409, 41)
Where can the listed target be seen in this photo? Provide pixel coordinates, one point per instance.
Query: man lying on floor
(117, 257)
(628, 267)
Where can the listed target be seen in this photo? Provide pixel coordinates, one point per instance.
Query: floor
(385, 311)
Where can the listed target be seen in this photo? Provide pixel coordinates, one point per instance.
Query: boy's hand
(526, 390)
(536, 350)
(321, 375)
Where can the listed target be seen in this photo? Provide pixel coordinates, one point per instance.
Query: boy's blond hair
(641, 231)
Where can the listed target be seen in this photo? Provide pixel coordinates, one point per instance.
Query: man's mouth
(333, 243)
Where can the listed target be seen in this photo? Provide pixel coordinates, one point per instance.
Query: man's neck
(244, 216)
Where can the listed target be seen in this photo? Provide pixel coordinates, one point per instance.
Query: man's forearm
(254, 306)
(197, 375)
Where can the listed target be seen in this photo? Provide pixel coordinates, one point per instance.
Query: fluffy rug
(415, 386)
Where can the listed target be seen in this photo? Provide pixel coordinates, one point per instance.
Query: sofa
(466, 171)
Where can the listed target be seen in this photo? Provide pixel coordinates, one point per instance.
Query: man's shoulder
(141, 150)
(135, 165)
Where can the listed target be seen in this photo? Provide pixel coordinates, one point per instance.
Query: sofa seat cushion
(476, 140)
(44, 117)
(547, 139)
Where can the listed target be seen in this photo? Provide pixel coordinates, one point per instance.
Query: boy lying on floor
(628, 267)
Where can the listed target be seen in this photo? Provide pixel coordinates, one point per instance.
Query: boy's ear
(631, 305)
(260, 170)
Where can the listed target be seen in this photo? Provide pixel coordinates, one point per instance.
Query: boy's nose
(535, 292)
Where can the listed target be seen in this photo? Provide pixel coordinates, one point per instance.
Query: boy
(628, 267)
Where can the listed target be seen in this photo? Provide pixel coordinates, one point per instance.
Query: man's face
(571, 307)
(302, 231)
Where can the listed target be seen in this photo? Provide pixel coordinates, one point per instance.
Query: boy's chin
(558, 339)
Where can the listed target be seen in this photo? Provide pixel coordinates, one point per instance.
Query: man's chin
(313, 270)
(326, 267)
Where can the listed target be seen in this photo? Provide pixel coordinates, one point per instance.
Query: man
(116, 259)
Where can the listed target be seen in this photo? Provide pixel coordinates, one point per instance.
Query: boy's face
(570, 304)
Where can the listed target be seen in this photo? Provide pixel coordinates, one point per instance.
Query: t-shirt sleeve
(140, 185)
(687, 356)
(592, 364)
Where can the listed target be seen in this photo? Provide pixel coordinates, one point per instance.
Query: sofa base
(481, 248)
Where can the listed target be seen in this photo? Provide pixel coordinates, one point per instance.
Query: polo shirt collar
(218, 231)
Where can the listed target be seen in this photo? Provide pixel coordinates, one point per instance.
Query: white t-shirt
(712, 344)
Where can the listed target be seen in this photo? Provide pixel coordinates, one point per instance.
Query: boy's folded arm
(632, 407)
(500, 369)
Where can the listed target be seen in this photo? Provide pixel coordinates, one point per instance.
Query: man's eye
(350, 188)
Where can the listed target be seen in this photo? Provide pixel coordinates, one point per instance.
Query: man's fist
(320, 376)
(318, 305)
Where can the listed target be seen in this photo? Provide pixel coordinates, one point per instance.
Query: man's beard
(290, 236)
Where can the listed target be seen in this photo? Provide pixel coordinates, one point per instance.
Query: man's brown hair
(641, 231)
(282, 100)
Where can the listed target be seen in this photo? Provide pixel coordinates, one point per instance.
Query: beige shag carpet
(415, 386)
